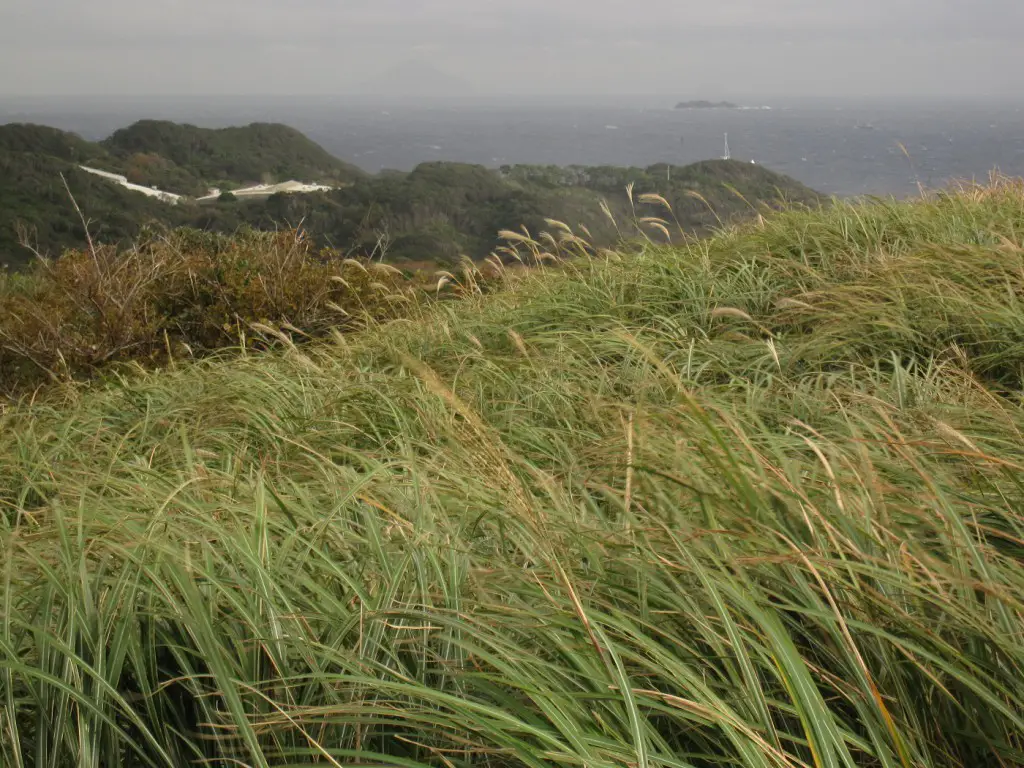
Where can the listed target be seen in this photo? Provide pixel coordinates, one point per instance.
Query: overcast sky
(689, 48)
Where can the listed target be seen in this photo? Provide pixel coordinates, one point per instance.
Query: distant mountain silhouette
(414, 78)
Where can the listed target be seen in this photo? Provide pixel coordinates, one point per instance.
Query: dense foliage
(441, 211)
(36, 211)
(437, 213)
(187, 159)
(754, 501)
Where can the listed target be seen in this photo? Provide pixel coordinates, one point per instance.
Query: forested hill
(184, 158)
(436, 213)
(34, 202)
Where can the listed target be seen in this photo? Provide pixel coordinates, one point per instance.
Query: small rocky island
(702, 104)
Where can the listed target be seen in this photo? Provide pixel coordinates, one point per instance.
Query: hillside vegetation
(441, 211)
(753, 501)
(437, 213)
(185, 295)
(197, 291)
(186, 158)
(35, 205)
(34, 202)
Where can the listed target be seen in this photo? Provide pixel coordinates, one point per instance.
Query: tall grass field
(753, 501)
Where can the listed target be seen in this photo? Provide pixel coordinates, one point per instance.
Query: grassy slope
(753, 502)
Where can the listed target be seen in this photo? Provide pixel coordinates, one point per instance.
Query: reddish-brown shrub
(182, 293)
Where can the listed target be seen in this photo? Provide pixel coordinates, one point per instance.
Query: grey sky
(710, 48)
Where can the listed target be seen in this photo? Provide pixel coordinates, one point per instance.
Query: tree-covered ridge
(441, 211)
(438, 212)
(185, 158)
(35, 206)
(50, 142)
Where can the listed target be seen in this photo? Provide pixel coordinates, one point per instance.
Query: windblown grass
(752, 502)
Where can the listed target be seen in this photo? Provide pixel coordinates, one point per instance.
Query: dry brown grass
(183, 295)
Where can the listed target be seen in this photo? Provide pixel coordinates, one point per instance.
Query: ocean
(839, 148)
